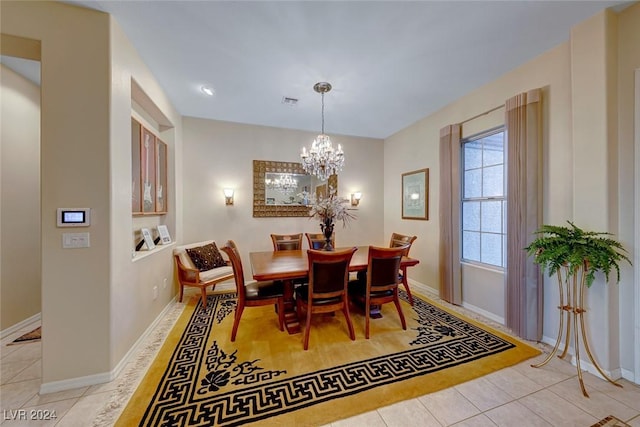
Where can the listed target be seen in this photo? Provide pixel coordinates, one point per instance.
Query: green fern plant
(574, 248)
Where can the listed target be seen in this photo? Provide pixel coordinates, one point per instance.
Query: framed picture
(148, 238)
(163, 232)
(415, 194)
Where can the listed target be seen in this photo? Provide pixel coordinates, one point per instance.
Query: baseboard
(630, 376)
(422, 288)
(15, 328)
(89, 380)
(585, 365)
(483, 313)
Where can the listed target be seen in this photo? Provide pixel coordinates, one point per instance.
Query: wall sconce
(355, 198)
(228, 196)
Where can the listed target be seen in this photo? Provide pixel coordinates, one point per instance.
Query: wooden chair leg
(406, 285)
(367, 316)
(236, 322)
(307, 329)
(345, 310)
(181, 292)
(396, 301)
(204, 296)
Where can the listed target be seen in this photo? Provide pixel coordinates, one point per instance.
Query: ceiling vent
(292, 102)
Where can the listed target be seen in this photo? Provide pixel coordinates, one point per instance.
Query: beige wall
(132, 307)
(628, 62)
(587, 171)
(417, 146)
(220, 154)
(96, 302)
(19, 199)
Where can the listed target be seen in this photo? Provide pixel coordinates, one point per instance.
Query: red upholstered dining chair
(403, 240)
(326, 291)
(252, 294)
(381, 284)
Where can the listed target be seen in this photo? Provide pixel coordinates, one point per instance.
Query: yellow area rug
(201, 378)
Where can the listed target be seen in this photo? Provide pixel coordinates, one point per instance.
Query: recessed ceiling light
(207, 90)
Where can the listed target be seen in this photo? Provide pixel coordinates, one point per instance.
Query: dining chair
(403, 240)
(381, 284)
(318, 242)
(326, 291)
(253, 293)
(286, 242)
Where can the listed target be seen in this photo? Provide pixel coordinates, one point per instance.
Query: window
(483, 199)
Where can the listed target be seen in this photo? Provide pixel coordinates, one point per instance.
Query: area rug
(199, 377)
(611, 421)
(33, 336)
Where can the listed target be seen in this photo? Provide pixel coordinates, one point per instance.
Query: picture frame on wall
(163, 232)
(415, 194)
(148, 238)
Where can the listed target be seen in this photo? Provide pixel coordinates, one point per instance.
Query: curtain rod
(482, 114)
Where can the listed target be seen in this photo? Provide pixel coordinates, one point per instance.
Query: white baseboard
(15, 328)
(483, 313)
(89, 380)
(589, 367)
(422, 288)
(629, 375)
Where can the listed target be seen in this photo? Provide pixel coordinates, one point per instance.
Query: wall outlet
(164, 283)
(155, 292)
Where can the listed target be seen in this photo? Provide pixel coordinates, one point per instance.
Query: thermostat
(74, 217)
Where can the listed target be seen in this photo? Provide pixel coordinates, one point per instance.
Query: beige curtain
(524, 213)
(450, 283)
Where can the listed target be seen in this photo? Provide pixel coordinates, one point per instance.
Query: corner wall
(20, 270)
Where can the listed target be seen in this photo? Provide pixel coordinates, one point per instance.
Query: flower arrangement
(331, 208)
(328, 210)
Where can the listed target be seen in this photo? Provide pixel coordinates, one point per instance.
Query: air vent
(289, 101)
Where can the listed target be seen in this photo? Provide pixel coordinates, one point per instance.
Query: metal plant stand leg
(574, 305)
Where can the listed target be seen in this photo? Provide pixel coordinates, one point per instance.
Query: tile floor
(516, 396)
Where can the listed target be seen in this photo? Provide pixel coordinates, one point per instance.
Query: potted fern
(573, 248)
(575, 256)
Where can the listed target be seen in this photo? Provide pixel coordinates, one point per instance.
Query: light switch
(75, 240)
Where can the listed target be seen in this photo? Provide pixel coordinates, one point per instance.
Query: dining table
(289, 265)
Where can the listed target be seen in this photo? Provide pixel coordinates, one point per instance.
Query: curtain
(524, 214)
(450, 282)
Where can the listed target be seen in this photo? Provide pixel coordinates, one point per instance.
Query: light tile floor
(515, 396)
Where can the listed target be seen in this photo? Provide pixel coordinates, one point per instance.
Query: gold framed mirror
(282, 189)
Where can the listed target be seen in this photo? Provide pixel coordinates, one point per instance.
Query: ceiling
(390, 63)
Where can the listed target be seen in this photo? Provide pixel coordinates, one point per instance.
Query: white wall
(220, 154)
(20, 199)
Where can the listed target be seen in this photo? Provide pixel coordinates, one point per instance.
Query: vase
(327, 230)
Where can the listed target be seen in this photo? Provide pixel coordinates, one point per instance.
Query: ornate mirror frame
(260, 207)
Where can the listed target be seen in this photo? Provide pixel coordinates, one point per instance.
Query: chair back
(317, 241)
(402, 240)
(383, 266)
(286, 242)
(328, 272)
(231, 250)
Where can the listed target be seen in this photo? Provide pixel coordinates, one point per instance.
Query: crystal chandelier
(285, 183)
(322, 160)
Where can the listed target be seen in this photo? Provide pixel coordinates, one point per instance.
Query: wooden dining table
(289, 265)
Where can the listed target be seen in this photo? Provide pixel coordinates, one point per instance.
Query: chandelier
(322, 160)
(285, 183)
